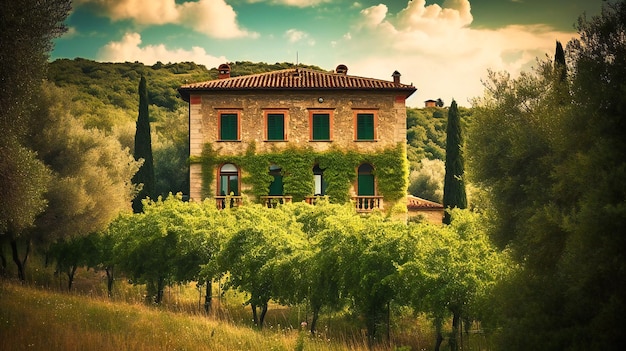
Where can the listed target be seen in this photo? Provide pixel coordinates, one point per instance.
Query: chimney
(341, 69)
(223, 71)
(396, 77)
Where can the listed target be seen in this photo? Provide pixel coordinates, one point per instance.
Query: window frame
(278, 111)
(236, 173)
(220, 113)
(364, 174)
(374, 113)
(331, 119)
(318, 180)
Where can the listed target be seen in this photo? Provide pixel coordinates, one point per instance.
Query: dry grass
(45, 316)
(34, 319)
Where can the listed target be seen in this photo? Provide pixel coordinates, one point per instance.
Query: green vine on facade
(340, 171)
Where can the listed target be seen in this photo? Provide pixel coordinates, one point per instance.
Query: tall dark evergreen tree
(559, 62)
(143, 150)
(454, 184)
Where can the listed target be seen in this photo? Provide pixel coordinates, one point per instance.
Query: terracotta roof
(295, 79)
(417, 203)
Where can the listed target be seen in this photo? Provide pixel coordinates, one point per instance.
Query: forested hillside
(104, 96)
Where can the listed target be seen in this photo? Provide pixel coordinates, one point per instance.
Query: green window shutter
(366, 185)
(276, 187)
(228, 126)
(233, 185)
(276, 126)
(365, 126)
(321, 126)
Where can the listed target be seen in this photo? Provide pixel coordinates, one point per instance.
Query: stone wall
(389, 110)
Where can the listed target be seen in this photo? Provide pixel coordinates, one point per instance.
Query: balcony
(272, 201)
(312, 200)
(367, 203)
(223, 202)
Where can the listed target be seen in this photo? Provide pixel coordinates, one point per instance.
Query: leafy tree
(427, 180)
(28, 28)
(374, 253)
(322, 283)
(553, 169)
(454, 183)
(143, 150)
(161, 245)
(263, 247)
(91, 172)
(72, 253)
(452, 268)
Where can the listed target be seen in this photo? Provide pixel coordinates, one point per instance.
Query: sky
(444, 48)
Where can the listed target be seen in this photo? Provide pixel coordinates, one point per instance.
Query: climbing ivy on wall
(340, 167)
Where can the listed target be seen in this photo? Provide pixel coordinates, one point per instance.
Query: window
(365, 180)
(320, 184)
(229, 180)
(320, 125)
(365, 126)
(275, 125)
(276, 187)
(228, 126)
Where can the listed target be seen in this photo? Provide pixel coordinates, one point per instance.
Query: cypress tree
(559, 62)
(143, 150)
(454, 185)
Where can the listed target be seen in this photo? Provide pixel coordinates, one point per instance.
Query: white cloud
(295, 3)
(214, 18)
(435, 48)
(129, 49)
(294, 35)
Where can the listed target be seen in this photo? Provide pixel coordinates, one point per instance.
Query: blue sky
(445, 48)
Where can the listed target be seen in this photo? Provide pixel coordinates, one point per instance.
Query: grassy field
(42, 315)
(35, 319)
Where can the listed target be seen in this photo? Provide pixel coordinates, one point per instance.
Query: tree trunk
(3, 260)
(208, 296)
(456, 317)
(21, 264)
(71, 271)
(160, 289)
(254, 316)
(262, 317)
(316, 315)
(439, 338)
(109, 272)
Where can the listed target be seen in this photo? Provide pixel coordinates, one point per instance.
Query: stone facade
(335, 94)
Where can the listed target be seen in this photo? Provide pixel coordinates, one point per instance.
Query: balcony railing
(312, 200)
(228, 201)
(367, 203)
(272, 201)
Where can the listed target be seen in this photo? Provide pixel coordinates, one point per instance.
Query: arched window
(320, 184)
(229, 180)
(365, 186)
(276, 187)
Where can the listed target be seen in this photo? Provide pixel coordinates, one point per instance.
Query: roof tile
(296, 78)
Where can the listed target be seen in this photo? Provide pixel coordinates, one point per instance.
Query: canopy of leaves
(551, 153)
(28, 28)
